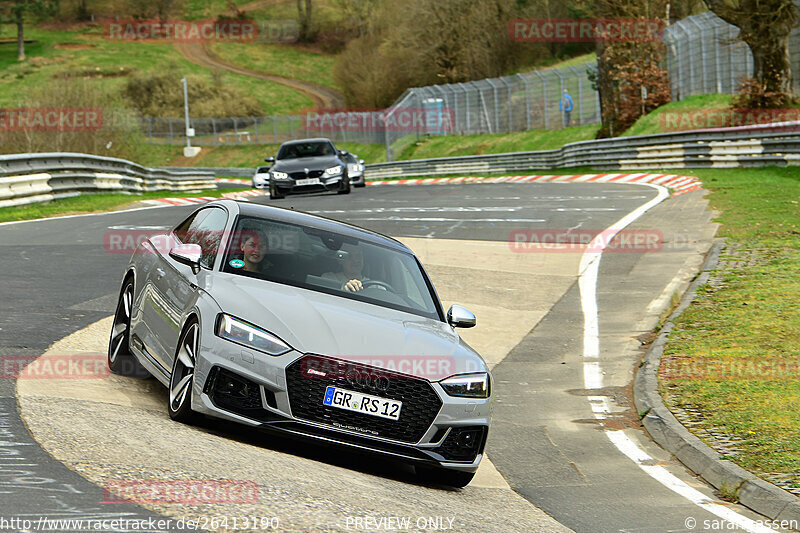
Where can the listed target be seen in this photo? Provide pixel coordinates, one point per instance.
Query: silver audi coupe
(309, 327)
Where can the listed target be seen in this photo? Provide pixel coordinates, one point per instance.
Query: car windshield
(306, 149)
(328, 262)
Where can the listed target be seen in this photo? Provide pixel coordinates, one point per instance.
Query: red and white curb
(240, 195)
(677, 184)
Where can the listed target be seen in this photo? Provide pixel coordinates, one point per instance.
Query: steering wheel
(377, 283)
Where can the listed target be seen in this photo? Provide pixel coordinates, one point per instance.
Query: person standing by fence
(565, 107)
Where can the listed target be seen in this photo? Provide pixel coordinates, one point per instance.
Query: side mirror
(269, 159)
(188, 254)
(343, 153)
(361, 161)
(460, 317)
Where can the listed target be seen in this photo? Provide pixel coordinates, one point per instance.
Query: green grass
(99, 60)
(450, 145)
(667, 117)
(93, 203)
(282, 60)
(742, 334)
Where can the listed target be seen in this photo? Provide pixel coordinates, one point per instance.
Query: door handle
(160, 273)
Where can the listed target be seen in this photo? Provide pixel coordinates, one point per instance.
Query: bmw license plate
(362, 403)
(307, 181)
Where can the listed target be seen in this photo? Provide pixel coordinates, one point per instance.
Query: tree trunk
(20, 38)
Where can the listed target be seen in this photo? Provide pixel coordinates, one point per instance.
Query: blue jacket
(565, 104)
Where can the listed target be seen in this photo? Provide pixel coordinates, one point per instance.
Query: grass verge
(94, 203)
(732, 360)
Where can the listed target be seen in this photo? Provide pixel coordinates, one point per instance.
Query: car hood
(311, 163)
(319, 323)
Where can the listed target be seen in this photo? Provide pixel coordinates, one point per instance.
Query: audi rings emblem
(366, 380)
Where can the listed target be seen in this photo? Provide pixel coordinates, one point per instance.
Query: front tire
(120, 359)
(181, 382)
(345, 187)
(274, 194)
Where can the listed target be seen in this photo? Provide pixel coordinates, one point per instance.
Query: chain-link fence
(706, 56)
(525, 101)
(341, 127)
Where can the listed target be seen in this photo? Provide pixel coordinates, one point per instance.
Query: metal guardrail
(31, 178)
(725, 148)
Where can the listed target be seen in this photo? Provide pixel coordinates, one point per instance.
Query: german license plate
(307, 181)
(362, 403)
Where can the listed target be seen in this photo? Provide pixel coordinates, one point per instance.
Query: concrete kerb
(727, 477)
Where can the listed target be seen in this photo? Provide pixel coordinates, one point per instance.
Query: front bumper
(234, 390)
(288, 186)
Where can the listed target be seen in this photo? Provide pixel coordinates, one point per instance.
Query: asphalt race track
(546, 442)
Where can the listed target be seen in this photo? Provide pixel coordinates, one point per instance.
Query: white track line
(593, 375)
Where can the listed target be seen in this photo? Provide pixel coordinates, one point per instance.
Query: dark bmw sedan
(308, 166)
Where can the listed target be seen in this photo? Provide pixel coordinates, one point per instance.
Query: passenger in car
(254, 247)
(351, 261)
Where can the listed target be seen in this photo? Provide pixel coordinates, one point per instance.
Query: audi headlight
(246, 334)
(279, 175)
(467, 385)
(333, 170)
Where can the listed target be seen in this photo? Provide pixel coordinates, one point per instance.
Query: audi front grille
(308, 377)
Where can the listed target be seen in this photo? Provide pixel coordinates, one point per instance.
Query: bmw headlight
(333, 170)
(279, 175)
(354, 167)
(467, 385)
(246, 334)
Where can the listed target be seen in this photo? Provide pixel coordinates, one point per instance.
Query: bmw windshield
(306, 149)
(331, 263)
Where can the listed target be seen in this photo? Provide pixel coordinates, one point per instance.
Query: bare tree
(765, 26)
(16, 11)
(304, 9)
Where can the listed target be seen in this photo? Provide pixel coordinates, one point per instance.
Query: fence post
(214, 131)
(291, 127)
(580, 94)
(510, 106)
(527, 101)
(544, 89)
(466, 107)
(496, 105)
(255, 129)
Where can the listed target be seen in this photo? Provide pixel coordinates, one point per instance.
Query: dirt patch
(73, 46)
(621, 397)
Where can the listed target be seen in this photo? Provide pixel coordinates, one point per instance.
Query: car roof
(301, 141)
(290, 216)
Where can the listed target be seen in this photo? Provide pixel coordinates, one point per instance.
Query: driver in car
(351, 259)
